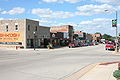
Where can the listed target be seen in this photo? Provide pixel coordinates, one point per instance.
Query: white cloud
(102, 19)
(0, 9)
(73, 1)
(85, 22)
(85, 10)
(16, 10)
(82, 13)
(108, 1)
(50, 1)
(1, 18)
(94, 9)
(45, 22)
(98, 21)
(61, 1)
(47, 13)
(102, 25)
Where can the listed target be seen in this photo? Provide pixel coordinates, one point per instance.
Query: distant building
(79, 35)
(56, 38)
(24, 33)
(66, 31)
(89, 38)
(97, 37)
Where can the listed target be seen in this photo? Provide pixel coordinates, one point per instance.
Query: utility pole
(114, 24)
(34, 40)
(117, 50)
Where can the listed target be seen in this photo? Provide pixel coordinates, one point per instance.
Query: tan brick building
(30, 30)
(97, 37)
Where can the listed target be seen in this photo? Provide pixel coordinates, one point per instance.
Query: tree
(97, 33)
(107, 37)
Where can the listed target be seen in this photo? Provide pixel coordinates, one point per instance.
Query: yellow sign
(10, 37)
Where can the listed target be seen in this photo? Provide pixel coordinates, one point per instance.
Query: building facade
(81, 36)
(66, 32)
(97, 37)
(32, 35)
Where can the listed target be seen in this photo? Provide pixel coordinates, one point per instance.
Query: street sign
(116, 40)
(114, 23)
(53, 35)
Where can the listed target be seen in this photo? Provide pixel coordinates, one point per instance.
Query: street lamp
(34, 39)
(116, 41)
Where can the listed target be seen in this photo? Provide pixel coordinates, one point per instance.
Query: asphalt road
(54, 64)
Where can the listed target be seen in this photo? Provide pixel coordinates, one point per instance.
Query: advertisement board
(10, 37)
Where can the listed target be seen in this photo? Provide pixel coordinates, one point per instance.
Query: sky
(89, 16)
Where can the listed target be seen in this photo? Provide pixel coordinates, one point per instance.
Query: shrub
(116, 73)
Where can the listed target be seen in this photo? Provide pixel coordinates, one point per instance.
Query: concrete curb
(80, 73)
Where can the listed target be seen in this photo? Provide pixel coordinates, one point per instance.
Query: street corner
(78, 74)
(103, 71)
(94, 69)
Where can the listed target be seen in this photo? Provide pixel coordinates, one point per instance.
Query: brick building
(97, 37)
(31, 33)
(81, 36)
(66, 31)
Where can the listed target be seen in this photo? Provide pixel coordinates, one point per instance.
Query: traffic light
(114, 23)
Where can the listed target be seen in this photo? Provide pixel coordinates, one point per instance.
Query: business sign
(114, 23)
(80, 35)
(10, 37)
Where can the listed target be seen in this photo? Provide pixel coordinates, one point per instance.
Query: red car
(110, 46)
(73, 45)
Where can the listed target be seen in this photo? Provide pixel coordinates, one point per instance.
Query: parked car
(73, 44)
(110, 46)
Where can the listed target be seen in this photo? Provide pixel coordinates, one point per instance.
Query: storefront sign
(10, 37)
(80, 35)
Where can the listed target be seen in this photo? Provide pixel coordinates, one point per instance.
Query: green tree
(97, 33)
(107, 37)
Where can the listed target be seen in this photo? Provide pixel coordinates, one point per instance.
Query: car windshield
(109, 44)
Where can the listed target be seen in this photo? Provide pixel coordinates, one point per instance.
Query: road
(50, 64)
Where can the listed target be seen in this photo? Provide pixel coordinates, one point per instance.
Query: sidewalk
(101, 72)
(41, 49)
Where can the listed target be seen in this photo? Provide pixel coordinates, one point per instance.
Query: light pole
(116, 41)
(34, 39)
(116, 34)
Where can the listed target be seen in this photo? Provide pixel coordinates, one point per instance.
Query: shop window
(36, 28)
(28, 27)
(16, 27)
(7, 28)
